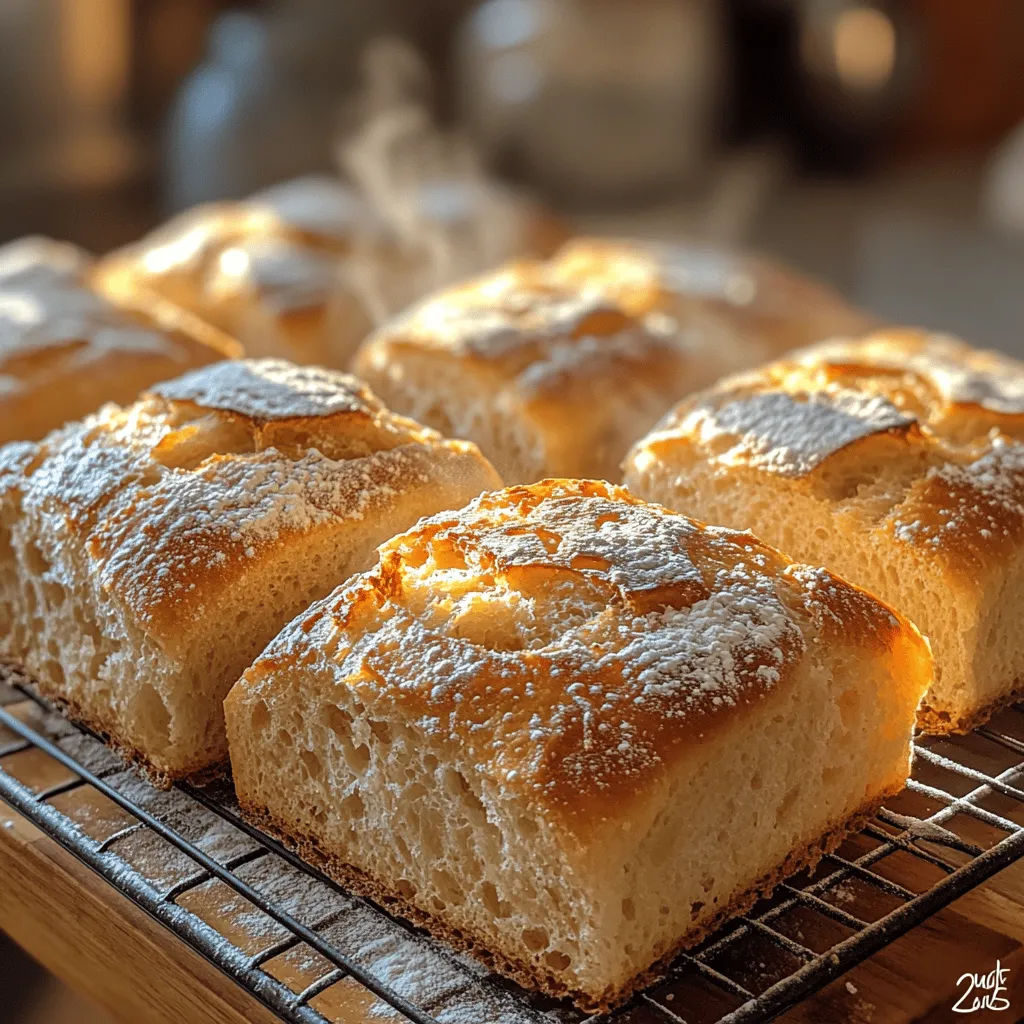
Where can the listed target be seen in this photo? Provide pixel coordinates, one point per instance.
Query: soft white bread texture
(896, 461)
(65, 350)
(297, 271)
(556, 368)
(573, 731)
(149, 553)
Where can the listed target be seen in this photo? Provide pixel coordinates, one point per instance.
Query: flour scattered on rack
(415, 978)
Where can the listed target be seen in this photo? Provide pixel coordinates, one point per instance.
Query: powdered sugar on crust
(972, 512)
(540, 331)
(954, 488)
(217, 518)
(634, 546)
(792, 434)
(572, 639)
(175, 501)
(283, 274)
(34, 261)
(271, 389)
(316, 205)
(999, 388)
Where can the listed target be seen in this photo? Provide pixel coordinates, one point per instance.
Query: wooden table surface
(101, 944)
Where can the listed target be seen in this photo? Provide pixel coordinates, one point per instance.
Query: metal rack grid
(959, 821)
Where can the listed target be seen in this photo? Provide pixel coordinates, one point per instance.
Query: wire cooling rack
(312, 952)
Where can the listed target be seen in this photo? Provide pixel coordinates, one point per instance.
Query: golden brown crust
(526, 973)
(296, 270)
(582, 353)
(179, 497)
(673, 315)
(944, 420)
(772, 306)
(65, 349)
(523, 322)
(265, 270)
(612, 636)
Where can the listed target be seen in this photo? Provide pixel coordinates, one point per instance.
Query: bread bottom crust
(506, 962)
(944, 722)
(156, 775)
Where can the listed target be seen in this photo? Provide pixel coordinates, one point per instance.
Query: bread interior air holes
(152, 715)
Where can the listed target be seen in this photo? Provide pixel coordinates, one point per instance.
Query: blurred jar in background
(262, 106)
(597, 101)
(215, 131)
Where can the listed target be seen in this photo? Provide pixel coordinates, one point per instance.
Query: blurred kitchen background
(876, 144)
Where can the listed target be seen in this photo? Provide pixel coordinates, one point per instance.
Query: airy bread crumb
(572, 731)
(148, 553)
(897, 461)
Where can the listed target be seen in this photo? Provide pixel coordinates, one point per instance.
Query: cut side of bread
(555, 368)
(573, 732)
(896, 461)
(149, 553)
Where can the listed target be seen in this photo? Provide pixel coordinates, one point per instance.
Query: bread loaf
(573, 731)
(300, 270)
(268, 271)
(555, 368)
(895, 460)
(148, 553)
(65, 350)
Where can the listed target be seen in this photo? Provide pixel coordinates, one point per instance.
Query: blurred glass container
(595, 100)
(856, 68)
(263, 105)
(240, 122)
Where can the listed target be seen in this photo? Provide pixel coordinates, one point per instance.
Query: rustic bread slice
(149, 553)
(896, 461)
(573, 731)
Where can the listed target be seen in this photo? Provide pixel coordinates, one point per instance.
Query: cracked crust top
(175, 497)
(573, 639)
(941, 422)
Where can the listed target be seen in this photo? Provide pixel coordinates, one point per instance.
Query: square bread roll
(895, 460)
(556, 368)
(268, 271)
(573, 731)
(301, 270)
(65, 350)
(149, 553)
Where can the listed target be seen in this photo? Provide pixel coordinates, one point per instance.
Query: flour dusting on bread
(535, 723)
(159, 547)
(897, 460)
(792, 434)
(271, 389)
